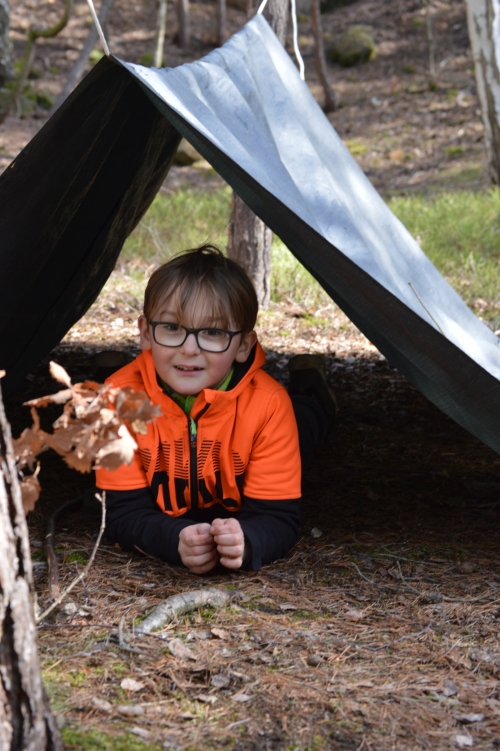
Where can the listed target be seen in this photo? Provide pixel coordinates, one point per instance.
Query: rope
(295, 35)
(298, 56)
(99, 28)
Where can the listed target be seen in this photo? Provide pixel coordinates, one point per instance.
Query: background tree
(483, 22)
(6, 69)
(221, 21)
(25, 718)
(319, 57)
(249, 238)
(184, 25)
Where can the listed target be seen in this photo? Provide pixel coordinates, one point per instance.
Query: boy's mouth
(187, 369)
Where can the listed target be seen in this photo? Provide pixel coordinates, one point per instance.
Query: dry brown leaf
(59, 374)
(81, 464)
(139, 426)
(178, 649)
(134, 405)
(220, 633)
(117, 452)
(130, 684)
(60, 397)
(63, 441)
(30, 490)
(30, 443)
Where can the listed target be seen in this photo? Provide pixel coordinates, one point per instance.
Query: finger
(200, 560)
(229, 540)
(228, 551)
(203, 569)
(196, 550)
(199, 540)
(202, 527)
(233, 563)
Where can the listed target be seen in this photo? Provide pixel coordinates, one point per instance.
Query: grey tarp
(246, 110)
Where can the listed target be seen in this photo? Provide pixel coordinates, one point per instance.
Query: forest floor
(380, 629)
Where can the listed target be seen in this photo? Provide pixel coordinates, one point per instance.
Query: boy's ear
(145, 338)
(247, 342)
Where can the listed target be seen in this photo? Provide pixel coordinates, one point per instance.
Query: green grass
(95, 740)
(180, 220)
(188, 218)
(459, 231)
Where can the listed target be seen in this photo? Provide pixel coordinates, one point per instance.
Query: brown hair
(205, 271)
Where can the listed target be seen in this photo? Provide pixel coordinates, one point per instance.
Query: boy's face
(188, 369)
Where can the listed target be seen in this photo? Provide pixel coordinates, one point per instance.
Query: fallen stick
(184, 603)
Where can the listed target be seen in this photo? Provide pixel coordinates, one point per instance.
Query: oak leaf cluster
(95, 429)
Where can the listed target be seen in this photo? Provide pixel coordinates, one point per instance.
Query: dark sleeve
(270, 527)
(136, 522)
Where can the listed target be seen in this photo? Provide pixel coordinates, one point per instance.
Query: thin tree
(26, 720)
(221, 21)
(250, 240)
(160, 35)
(483, 20)
(184, 25)
(34, 33)
(319, 57)
(6, 69)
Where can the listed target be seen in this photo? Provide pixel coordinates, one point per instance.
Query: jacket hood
(147, 373)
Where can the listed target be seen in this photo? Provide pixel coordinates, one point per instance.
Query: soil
(380, 629)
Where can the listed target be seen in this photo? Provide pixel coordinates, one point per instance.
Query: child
(216, 479)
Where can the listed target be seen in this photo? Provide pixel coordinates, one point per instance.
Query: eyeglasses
(168, 334)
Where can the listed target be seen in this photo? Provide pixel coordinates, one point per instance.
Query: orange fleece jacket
(246, 443)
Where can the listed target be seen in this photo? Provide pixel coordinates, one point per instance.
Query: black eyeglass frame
(232, 334)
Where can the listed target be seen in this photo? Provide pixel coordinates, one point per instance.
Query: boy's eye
(213, 333)
(170, 328)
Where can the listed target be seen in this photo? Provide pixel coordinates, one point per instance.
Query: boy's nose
(190, 344)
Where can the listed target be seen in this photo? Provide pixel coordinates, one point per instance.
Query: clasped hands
(202, 546)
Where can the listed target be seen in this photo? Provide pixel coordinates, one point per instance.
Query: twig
(183, 603)
(83, 574)
(52, 563)
(425, 307)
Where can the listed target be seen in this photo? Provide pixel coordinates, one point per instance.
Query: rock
(354, 47)
(186, 154)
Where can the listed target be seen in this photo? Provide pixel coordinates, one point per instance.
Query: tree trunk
(184, 26)
(250, 245)
(160, 37)
(221, 22)
(250, 240)
(6, 69)
(319, 56)
(483, 18)
(26, 721)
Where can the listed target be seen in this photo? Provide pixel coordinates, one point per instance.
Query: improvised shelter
(69, 200)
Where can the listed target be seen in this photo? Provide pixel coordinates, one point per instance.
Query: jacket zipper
(193, 456)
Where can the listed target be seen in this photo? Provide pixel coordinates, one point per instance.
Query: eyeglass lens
(173, 335)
